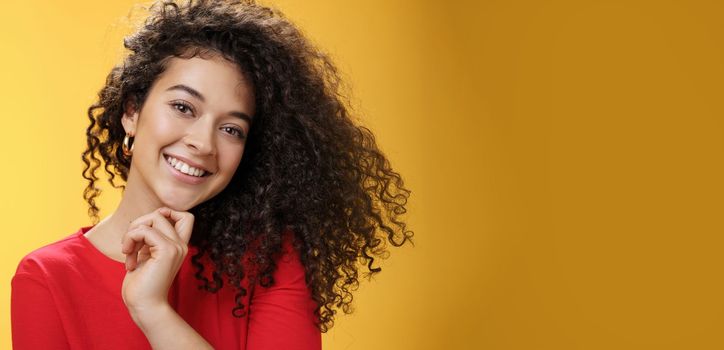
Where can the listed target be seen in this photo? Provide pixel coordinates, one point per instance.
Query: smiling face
(190, 132)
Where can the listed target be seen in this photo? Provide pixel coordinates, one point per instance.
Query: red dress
(67, 295)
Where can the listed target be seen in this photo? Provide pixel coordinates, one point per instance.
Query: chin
(174, 199)
(179, 204)
(179, 207)
(175, 206)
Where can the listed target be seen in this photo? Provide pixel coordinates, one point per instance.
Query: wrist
(146, 317)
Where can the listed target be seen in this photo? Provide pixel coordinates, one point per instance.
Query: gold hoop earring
(128, 151)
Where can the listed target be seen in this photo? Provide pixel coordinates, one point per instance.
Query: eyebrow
(198, 95)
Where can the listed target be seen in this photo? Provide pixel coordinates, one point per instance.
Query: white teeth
(185, 168)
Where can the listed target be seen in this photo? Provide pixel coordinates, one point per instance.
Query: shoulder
(289, 269)
(40, 261)
(289, 260)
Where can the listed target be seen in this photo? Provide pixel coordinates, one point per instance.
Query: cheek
(230, 157)
(163, 124)
(157, 126)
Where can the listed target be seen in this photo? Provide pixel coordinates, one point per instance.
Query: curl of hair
(307, 168)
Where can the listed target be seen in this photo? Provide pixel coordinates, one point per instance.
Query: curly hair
(308, 167)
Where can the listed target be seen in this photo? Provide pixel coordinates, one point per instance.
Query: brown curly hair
(307, 167)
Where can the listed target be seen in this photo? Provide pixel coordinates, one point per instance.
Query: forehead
(215, 77)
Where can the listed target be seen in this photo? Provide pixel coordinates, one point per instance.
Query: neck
(135, 202)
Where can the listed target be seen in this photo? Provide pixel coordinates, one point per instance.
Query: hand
(155, 246)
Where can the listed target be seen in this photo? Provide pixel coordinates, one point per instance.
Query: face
(190, 132)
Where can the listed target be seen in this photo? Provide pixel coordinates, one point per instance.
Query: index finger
(183, 222)
(157, 220)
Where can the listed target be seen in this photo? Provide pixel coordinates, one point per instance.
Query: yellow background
(564, 157)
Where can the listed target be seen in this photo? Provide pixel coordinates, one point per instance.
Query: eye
(234, 131)
(181, 107)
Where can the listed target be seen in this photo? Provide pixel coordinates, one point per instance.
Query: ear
(130, 117)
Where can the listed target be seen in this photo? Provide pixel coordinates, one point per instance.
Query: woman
(250, 196)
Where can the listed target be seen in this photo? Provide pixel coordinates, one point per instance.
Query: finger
(132, 258)
(143, 254)
(136, 240)
(183, 222)
(131, 249)
(130, 246)
(149, 238)
(141, 250)
(158, 221)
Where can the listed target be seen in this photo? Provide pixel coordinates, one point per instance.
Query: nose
(200, 137)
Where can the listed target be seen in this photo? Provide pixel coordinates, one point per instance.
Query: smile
(185, 173)
(185, 168)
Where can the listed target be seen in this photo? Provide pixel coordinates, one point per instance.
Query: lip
(191, 180)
